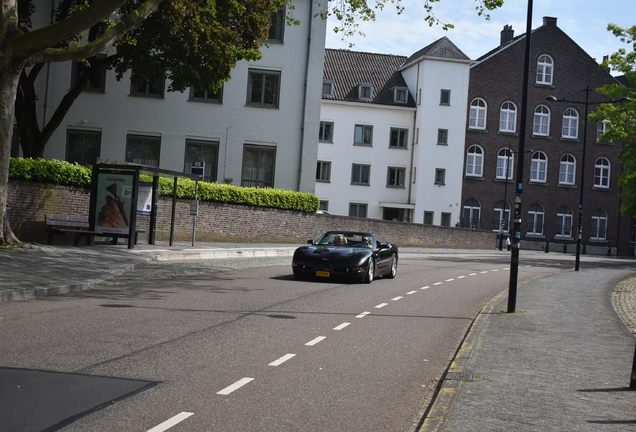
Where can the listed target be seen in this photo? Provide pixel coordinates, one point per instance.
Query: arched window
(508, 117)
(564, 222)
(474, 161)
(567, 170)
(505, 164)
(541, 121)
(545, 70)
(501, 217)
(601, 173)
(570, 124)
(599, 225)
(538, 167)
(535, 220)
(471, 213)
(477, 118)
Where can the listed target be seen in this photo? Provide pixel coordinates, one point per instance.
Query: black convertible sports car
(356, 255)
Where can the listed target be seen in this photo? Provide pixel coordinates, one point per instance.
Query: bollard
(565, 247)
(547, 246)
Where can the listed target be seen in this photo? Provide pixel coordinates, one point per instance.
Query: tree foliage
(621, 116)
(196, 42)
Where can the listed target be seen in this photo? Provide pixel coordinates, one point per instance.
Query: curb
(436, 417)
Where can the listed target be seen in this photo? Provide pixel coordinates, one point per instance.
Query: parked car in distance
(346, 254)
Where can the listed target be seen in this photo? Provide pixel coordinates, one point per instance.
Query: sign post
(196, 168)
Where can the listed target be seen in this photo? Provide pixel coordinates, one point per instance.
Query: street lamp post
(579, 233)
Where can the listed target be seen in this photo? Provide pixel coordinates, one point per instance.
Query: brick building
(562, 151)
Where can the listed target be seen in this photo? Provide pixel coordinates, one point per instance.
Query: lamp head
(551, 98)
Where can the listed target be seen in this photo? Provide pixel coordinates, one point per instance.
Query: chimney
(549, 21)
(507, 34)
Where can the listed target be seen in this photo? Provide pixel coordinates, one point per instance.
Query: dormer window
(365, 91)
(400, 95)
(327, 88)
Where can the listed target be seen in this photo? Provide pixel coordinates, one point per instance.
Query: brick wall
(30, 202)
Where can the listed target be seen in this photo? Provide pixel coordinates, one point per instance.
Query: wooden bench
(60, 224)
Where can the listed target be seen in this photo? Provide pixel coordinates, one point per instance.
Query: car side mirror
(310, 242)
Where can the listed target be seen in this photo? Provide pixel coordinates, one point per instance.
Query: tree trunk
(9, 76)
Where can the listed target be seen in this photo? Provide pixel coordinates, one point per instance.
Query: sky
(585, 21)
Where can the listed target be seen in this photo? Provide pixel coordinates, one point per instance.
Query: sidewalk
(561, 362)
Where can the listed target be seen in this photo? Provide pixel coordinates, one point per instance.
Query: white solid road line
(171, 422)
(237, 385)
(282, 360)
(316, 340)
(341, 326)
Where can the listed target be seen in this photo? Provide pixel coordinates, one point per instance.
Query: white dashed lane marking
(363, 314)
(237, 385)
(171, 422)
(397, 298)
(282, 360)
(341, 326)
(381, 305)
(316, 340)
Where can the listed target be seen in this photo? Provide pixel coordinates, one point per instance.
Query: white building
(246, 137)
(392, 133)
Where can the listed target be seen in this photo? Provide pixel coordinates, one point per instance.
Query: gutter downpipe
(305, 97)
(411, 179)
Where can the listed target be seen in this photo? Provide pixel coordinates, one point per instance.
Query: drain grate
(461, 376)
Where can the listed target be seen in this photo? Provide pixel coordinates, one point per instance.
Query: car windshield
(361, 240)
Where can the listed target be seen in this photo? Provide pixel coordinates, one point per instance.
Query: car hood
(333, 252)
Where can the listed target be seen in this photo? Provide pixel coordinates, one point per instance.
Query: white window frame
(477, 116)
(564, 219)
(599, 225)
(567, 170)
(267, 99)
(355, 210)
(545, 70)
(398, 138)
(360, 174)
(471, 213)
(505, 159)
(400, 95)
(323, 171)
(539, 167)
(508, 117)
(536, 215)
(602, 167)
(395, 177)
(570, 127)
(502, 208)
(541, 124)
(440, 176)
(445, 97)
(363, 135)
(325, 132)
(601, 128)
(365, 92)
(475, 161)
(327, 88)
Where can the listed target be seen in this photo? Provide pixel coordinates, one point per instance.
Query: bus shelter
(117, 197)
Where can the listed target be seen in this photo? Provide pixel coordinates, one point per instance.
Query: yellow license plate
(323, 274)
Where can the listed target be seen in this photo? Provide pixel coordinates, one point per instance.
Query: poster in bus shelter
(114, 197)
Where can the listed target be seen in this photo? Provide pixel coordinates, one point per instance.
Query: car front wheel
(370, 271)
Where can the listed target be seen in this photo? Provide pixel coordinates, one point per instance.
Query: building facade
(260, 129)
(392, 133)
(566, 164)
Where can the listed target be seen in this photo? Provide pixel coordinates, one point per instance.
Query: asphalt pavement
(561, 362)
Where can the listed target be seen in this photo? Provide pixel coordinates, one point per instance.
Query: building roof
(348, 69)
(440, 49)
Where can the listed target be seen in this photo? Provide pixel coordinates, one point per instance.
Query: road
(246, 349)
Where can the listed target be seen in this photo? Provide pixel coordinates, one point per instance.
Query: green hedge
(73, 174)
